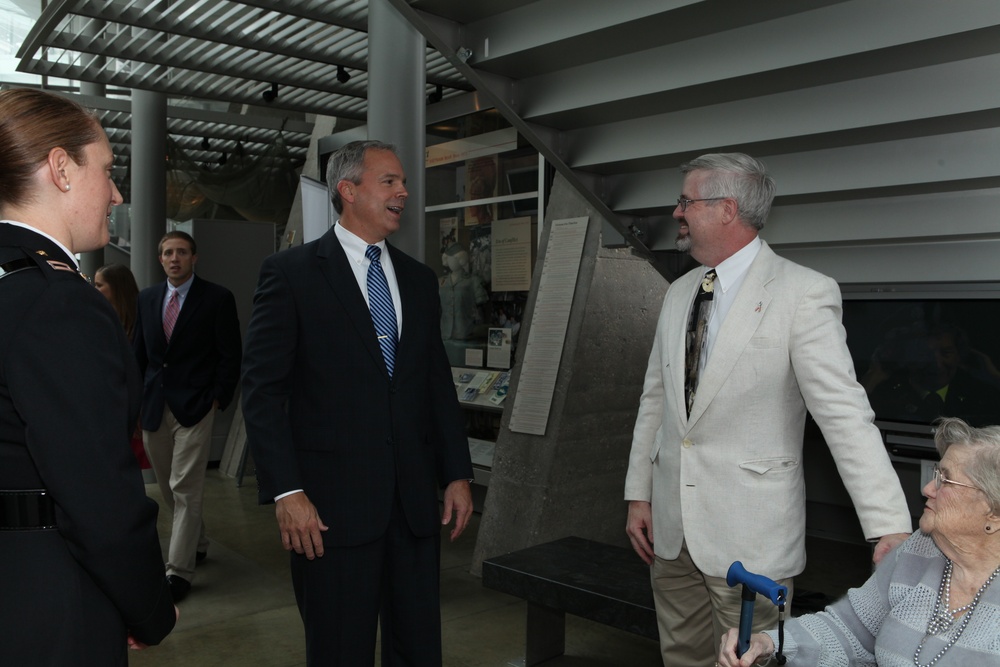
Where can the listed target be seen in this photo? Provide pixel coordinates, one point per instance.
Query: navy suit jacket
(322, 413)
(201, 364)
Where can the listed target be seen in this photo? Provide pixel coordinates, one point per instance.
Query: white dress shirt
(182, 292)
(729, 277)
(355, 248)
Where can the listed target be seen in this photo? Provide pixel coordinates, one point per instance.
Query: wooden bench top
(601, 582)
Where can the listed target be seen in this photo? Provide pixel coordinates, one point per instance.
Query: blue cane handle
(758, 583)
(752, 585)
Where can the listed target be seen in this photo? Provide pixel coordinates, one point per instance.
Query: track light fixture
(437, 95)
(205, 145)
(270, 95)
(222, 160)
(343, 75)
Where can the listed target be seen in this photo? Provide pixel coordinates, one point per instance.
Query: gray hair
(983, 468)
(737, 176)
(348, 163)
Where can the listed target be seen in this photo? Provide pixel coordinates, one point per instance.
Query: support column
(397, 106)
(149, 183)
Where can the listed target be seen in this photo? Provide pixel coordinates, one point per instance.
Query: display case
(485, 188)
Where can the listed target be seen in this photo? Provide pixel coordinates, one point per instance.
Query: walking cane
(752, 585)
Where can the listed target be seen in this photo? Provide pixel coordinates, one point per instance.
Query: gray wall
(230, 253)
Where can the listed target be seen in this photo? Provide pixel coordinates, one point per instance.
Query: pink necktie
(170, 315)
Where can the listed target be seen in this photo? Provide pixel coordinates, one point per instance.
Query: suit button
(166, 365)
(686, 443)
(388, 441)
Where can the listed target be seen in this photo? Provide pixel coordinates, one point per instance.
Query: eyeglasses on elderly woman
(940, 479)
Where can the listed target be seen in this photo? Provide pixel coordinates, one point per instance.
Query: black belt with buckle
(27, 510)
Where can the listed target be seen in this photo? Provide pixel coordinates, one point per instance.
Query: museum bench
(600, 582)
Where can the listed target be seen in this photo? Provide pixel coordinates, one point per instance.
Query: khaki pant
(693, 611)
(179, 456)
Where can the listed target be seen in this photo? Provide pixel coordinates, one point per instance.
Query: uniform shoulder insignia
(60, 266)
(15, 265)
(63, 266)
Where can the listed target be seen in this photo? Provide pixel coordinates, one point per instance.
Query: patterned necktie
(697, 334)
(170, 315)
(380, 304)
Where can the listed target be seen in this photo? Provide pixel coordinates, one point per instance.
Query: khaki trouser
(693, 610)
(179, 456)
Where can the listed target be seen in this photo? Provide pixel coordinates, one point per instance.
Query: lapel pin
(759, 304)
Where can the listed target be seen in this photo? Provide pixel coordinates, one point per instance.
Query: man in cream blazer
(725, 483)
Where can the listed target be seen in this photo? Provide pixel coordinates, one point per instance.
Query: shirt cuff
(286, 493)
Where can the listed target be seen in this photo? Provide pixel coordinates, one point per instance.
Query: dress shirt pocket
(770, 466)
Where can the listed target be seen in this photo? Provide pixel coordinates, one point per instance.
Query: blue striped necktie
(380, 304)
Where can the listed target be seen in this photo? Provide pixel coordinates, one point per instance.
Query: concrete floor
(241, 610)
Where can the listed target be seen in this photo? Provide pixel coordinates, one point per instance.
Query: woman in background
(82, 573)
(117, 284)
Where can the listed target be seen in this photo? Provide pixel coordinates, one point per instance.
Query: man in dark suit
(353, 421)
(189, 349)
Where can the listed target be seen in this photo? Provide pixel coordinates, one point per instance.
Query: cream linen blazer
(729, 479)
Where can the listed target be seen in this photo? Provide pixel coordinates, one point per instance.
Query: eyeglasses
(940, 479)
(684, 203)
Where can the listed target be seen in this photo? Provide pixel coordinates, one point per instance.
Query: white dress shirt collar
(354, 247)
(729, 278)
(731, 271)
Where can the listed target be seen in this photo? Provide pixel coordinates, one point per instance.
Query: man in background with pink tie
(189, 350)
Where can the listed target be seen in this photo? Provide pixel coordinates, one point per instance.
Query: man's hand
(640, 529)
(300, 525)
(887, 543)
(457, 501)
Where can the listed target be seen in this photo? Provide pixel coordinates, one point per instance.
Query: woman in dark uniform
(81, 574)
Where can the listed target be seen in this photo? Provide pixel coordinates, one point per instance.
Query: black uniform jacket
(69, 394)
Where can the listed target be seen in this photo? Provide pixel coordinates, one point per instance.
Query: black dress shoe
(200, 556)
(179, 587)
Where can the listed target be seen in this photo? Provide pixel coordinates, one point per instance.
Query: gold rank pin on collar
(61, 266)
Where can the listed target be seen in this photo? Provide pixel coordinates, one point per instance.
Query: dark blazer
(322, 413)
(69, 394)
(201, 363)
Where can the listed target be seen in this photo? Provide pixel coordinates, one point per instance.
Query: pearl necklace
(943, 618)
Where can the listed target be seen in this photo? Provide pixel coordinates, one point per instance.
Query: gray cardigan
(883, 621)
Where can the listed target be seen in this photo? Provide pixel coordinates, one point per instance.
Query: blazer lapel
(741, 323)
(408, 297)
(156, 314)
(336, 268)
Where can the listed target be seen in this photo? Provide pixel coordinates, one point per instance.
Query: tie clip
(381, 337)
